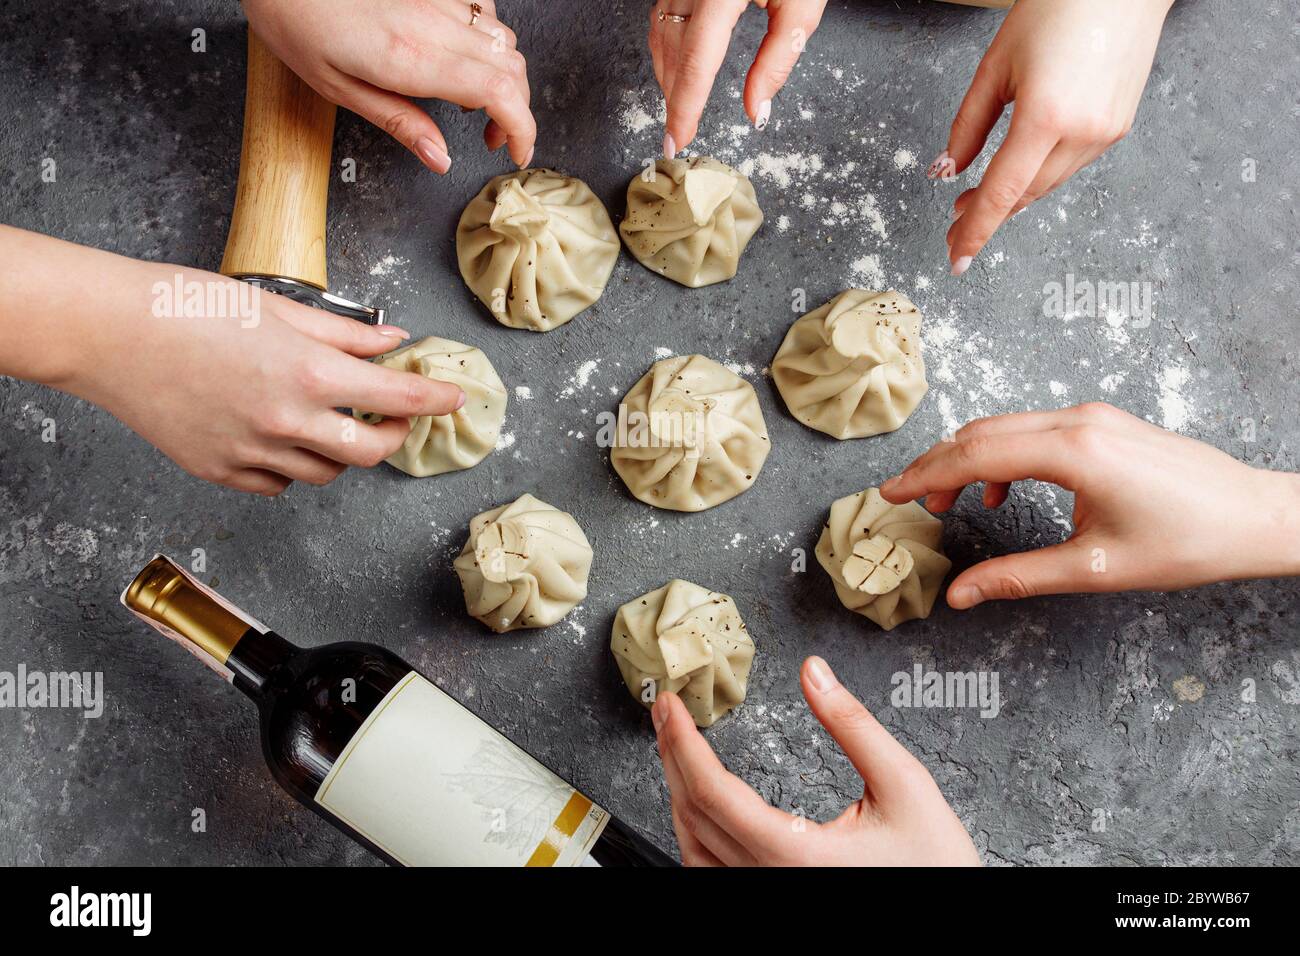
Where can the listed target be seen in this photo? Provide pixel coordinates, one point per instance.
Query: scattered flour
(504, 441)
(1175, 411)
(904, 159)
(386, 265)
(523, 393)
(867, 272)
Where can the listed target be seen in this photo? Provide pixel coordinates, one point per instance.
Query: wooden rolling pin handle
(278, 224)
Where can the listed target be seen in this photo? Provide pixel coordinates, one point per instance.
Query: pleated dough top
(691, 221)
(525, 564)
(442, 443)
(886, 561)
(853, 367)
(687, 640)
(536, 247)
(691, 435)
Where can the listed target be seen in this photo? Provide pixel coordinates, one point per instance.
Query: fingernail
(528, 159)
(961, 265)
(891, 482)
(460, 403)
(670, 146)
(392, 331)
(659, 713)
(968, 595)
(956, 213)
(764, 114)
(432, 155)
(942, 166)
(820, 676)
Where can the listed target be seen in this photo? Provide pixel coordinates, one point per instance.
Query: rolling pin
(277, 228)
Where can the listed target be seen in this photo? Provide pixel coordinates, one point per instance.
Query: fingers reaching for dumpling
(700, 46)
(711, 800)
(789, 26)
(395, 394)
(347, 335)
(343, 439)
(300, 464)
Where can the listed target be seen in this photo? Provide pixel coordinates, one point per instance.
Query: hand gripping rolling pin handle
(277, 228)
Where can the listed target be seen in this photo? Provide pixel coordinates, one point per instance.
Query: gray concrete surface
(1104, 751)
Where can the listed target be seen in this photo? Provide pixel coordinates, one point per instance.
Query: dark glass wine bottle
(357, 735)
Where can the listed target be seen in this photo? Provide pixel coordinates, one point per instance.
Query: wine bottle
(360, 737)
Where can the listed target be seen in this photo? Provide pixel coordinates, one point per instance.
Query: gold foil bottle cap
(179, 606)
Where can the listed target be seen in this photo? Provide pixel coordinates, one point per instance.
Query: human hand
(901, 820)
(1153, 510)
(687, 57)
(1075, 70)
(371, 57)
(244, 394)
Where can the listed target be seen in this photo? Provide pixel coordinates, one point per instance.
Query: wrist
(1277, 532)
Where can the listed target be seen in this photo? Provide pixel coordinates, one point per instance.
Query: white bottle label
(432, 785)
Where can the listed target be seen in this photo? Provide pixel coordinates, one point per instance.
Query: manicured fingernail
(392, 331)
(943, 166)
(432, 155)
(820, 676)
(659, 713)
(961, 265)
(968, 595)
(764, 114)
(528, 160)
(670, 146)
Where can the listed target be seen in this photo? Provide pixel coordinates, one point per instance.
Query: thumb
(399, 118)
(888, 768)
(1060, 569)
(979, 112)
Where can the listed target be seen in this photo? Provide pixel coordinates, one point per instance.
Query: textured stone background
(146, 137)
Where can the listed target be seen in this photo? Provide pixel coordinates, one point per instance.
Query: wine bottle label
(432, 785)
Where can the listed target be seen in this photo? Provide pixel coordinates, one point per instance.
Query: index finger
(367, 387)
(1011, 172)
(703, 49)
(1043, 456)
(722, 796)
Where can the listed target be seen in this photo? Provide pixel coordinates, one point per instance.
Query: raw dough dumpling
(853, 368)
(525, 565)
(692, 221)
(691, 435)
(442, 443)
(687, 640)
(886, 561)
(536, 247)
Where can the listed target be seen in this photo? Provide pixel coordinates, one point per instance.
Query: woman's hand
(901, 820)
(245, 395)
(1152, 510)
(1075, 70)
(370, 57)
(687, 56)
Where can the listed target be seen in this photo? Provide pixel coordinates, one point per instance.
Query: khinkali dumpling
(886, 561)
(691, 435)
(441, 443)
(525, 565)
(853, 368)
(687, 640)
(536, 247)
(691, 221)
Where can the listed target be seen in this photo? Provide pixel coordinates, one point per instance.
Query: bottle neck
(255, 659)
(220, 634)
